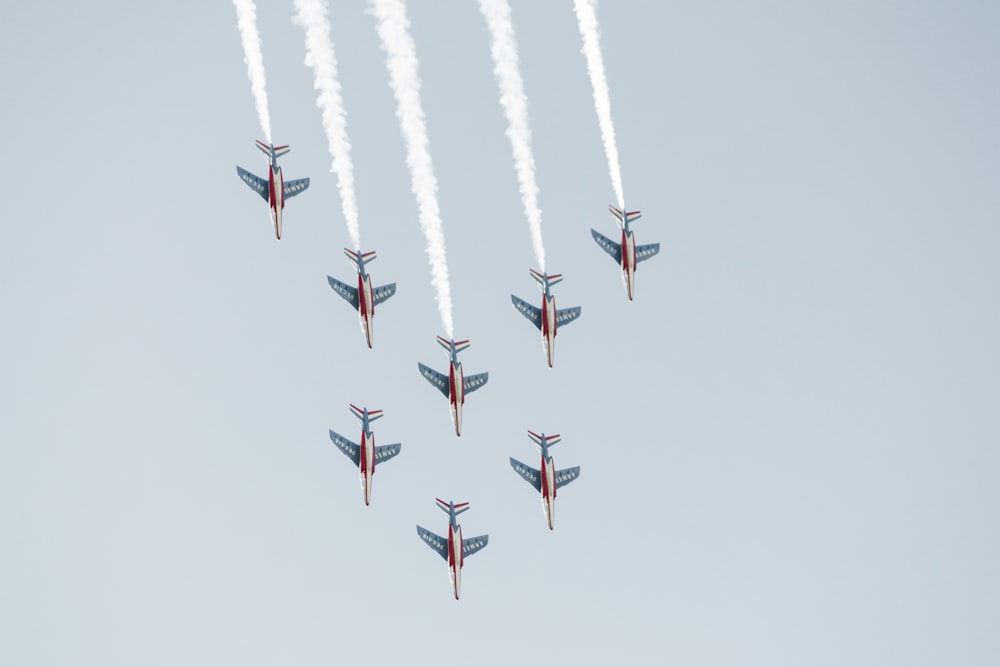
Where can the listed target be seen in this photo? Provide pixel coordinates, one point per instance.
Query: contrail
(246, 19)
(515, 106)
(401, 61)
(320, 56)
(586, 18)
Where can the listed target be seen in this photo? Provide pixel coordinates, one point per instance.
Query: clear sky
(789, 441)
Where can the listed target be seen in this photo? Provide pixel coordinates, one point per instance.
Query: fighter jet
(365, 455)
(274, 190)
(453, 548)
(548, 479)
(547, 317)
(626, 253)
(454, 385)
(363, 298)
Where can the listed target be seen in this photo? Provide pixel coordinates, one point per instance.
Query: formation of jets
(546, 479)
(363, 297)
(274, 190)
(453, 549)
(546, 318)
(454, 385)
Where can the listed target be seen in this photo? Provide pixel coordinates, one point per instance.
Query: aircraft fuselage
(366, 464)
(456, 394)
(549, 326)
(549, 490)
(276, 197)
(628, 260)
(455, 558)
(366, 305)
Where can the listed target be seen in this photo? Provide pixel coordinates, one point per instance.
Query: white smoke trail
(246, 19)
(401, 61)
(586, 18)
(320, 56)
(515, 106)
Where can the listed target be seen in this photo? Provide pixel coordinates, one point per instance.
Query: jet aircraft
(364, 298)
(626, 253)
(365, 455)
(274, 189)
(548, 479)
(547, 317)
(454, 385)
(453, 548)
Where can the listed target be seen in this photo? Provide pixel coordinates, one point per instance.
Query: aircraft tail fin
(549, 439)
(624, 216)
(446, 507)
(266, 149)
(360, 413)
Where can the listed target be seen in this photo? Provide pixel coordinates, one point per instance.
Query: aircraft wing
(646, 251)
(564, 477)
(474, 382)
(256, 183)
(349, 293)
(531, 312)
(386, 452)
(352, 450)
(439, 380)
(609, 246)
(435, 541)
(530, 475)
(566, 315)
(380, 294)
(293, 188)
(474, 544)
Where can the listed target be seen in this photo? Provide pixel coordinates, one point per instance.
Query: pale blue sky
(788, 442)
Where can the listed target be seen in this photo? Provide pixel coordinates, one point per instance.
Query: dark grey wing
(564, 477)
(531, 312)
(293, 188)
(349, 293)
(474, 544)
(566, 315)
(256, 183)
(474, 382)
(609, 246)
(386, 452)
(439, 380)
(434, 541)
(530, 475)
(646, 251)
(380, 294)
(352, 450)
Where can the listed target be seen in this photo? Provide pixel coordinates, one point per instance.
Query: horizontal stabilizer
(349, 293)
(256, 183)
(439, 380)
(566, 315)
(446, 507)
(626, 216)
(530, 475)
(609, 246)
(474, 382)
(434, 541)
(266, 149)
(352, 450)
(360, 413)
(474, 544)
(549, 439)
(531, 312)
(564, 477)
(380, 294)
